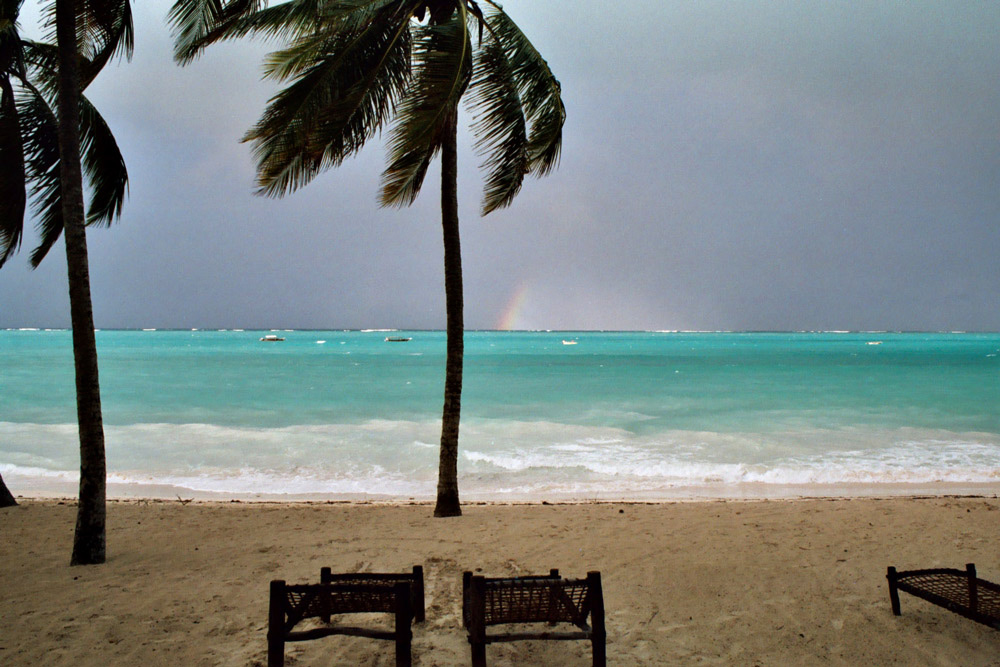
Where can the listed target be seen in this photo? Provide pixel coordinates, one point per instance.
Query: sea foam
(619, 414)
(399, 458)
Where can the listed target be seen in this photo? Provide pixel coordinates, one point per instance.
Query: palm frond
(303, 53)
(342, 26)
(42, 60)
(198, 23)
(12, 192)
(11, 52)
(112, 35)
(102, 161)
(346, 16)
(443, 67)
(476, 17)
(104, 30)
(540, 92)
(499, 125)
(9, 9)
(193, 21)
(104, 166)
(41, 152)
(343, 94)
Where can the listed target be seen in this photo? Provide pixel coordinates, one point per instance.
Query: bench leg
(275, 625)
(404, 622)
(893, 591)
(417, 594)
(600, 651)
(970, 572)
(403, 658)
(275, 653)
(325, 577)
(599, 636)
(478, 654)
(474, 613)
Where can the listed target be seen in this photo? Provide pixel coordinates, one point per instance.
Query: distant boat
(271, 338)
(569, 342)
(397, 339)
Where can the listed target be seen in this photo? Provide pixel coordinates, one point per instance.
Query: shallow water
(563, 414)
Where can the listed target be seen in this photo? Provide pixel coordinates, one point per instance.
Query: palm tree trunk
(89, 539)
(6, 498)
(447, 490)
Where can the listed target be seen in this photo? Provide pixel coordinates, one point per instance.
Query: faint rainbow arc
(511, 314)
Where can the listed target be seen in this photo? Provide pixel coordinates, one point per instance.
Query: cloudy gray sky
(726, 165)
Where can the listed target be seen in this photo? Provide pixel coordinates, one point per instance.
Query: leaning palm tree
(40, 151)
(356, 65)
(6, 497)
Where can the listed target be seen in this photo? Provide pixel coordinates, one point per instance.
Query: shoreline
(427, 502)
(47, 489)
(796, 581)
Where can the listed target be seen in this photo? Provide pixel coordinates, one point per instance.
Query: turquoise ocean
(546, 415)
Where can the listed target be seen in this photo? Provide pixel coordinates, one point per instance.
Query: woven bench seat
(415, 580)
(547, 599)
(959, 591)
(356, 593)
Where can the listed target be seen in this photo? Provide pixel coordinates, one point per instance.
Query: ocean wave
(630, 469)
(497, 458)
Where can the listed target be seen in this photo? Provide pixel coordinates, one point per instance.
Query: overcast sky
(725, 165)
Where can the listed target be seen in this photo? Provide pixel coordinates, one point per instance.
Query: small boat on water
(569, 342)
(397, 339)
(271, 338)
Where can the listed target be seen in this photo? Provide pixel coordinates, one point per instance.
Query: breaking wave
(498, 459)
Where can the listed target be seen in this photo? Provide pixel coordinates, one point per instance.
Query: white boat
(271, 338)
(569, 342)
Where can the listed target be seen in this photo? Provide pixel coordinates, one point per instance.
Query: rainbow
(511, 316)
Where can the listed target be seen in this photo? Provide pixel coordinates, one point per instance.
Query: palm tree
(42, 149)
(354, 65)
(6, 498)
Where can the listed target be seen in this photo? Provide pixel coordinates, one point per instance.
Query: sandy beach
(718, 583)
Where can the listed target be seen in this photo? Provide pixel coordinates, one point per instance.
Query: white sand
(789, 582)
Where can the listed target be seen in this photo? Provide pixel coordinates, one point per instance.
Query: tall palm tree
(11, 194)
(356, 65)
(41, 149)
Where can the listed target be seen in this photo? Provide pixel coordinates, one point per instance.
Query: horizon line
(491, 330)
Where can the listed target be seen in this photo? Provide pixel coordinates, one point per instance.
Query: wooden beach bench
(546, 599)
(959, 591)
(415, 579)
(357, 593)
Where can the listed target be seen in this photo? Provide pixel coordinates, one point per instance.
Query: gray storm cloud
(726, 165)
